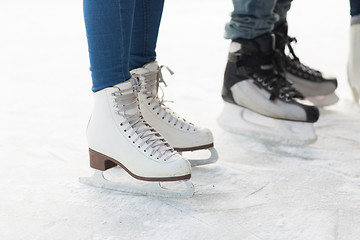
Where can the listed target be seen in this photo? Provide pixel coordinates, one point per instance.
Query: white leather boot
(179, 133)
(118, 135)
(354, 58)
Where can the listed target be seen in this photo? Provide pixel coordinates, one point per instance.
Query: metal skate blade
(237, 119)
(118, 180)
(201, 157)
(323, 101)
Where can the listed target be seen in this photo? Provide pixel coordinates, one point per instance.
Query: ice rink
(256, 191)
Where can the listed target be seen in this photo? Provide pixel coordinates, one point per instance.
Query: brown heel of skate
(100, 161)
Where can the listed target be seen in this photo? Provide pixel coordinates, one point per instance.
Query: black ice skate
(311, 83)
(259, 100)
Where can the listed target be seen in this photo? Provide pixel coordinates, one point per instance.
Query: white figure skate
(354, 58)
(259, 100)
(118, 136)
(179, 133)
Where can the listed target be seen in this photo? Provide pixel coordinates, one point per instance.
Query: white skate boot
(179, 133)
(354, 58)
(259, 101)
(118, 136)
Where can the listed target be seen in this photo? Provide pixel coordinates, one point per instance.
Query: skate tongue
(234, 47)
(152, 67)
(125, 87)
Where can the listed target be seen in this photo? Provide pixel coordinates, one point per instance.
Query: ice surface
(255, 191)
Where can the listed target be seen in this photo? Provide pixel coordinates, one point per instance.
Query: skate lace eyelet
(129, 136)
(148, 103)
(287, 99)
(163, 118)
(270, 88)
(281, 95)
(138, 146)
(124, 130)
(133, 141)
(144, 150)
(150, 155)
(121, 124)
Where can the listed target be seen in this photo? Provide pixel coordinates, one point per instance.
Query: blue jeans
(354, 7)
(252, 18)
(122, 36)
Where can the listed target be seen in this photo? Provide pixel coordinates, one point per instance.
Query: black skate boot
(311, 83)
(259, 99)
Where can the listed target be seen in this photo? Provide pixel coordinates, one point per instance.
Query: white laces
(127, 106)
(152, 81)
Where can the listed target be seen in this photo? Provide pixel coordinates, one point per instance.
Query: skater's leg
(117, 133)
(354, 51)
(251, 18)
(179, 133)
(310, 82)
(281, 9)
(108, 29)
(145, 32)
(258, 97)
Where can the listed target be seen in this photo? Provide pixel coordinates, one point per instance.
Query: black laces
(292, 62)
(275, 82)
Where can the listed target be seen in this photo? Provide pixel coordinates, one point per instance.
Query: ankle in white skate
(118, 136)
(179, 133)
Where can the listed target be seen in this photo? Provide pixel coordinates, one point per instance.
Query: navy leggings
(121, 36)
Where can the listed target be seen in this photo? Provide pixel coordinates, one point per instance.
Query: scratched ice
(256, 190)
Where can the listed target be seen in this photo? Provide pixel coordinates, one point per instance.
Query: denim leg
(354, 7)
(108, 29)
(251, 18)
(281, 9)
(145, 32)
